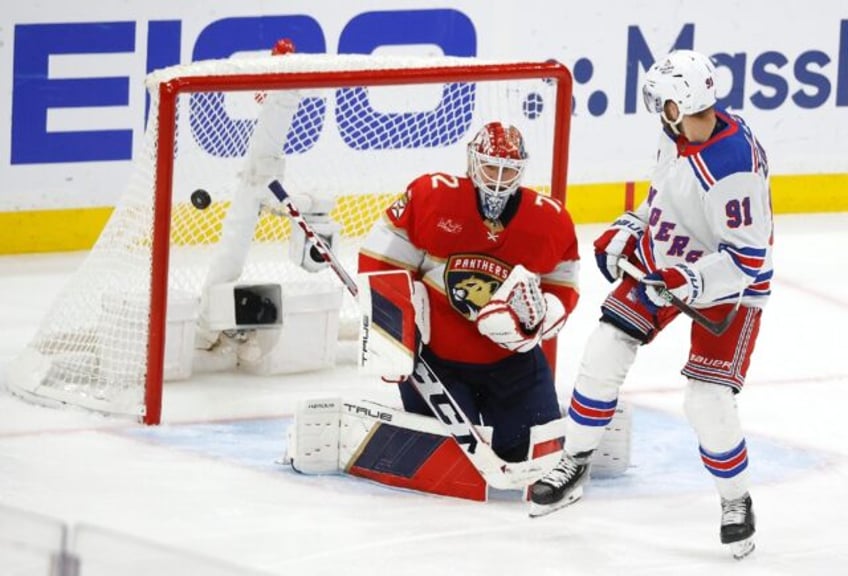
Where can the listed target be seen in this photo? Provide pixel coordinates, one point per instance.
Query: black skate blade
(538, 510)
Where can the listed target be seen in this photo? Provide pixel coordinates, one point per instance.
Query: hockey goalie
(459, 283)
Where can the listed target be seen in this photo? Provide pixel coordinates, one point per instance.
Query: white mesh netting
(348, 150)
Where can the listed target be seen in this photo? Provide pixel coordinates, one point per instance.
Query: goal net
(345, 134)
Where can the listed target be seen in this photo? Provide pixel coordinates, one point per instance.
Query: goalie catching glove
(520, 315)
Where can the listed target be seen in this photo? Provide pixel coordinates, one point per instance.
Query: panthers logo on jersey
(398, 207)
(470, 281)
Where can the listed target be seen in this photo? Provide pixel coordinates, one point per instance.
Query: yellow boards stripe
(78, 229)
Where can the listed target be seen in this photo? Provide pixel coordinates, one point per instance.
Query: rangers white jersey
(709, 206)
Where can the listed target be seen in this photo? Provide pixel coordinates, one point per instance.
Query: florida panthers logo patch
(398, 207)
(470, 281)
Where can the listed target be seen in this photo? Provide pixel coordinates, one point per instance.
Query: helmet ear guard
(496, 162)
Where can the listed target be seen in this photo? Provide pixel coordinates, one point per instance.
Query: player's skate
(561, 486)
(737, 525)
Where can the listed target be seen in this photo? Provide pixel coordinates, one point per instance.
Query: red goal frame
(170, 90)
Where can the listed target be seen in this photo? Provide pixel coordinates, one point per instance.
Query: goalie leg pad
(546, 442)
(406, 451)
(381, 444)
(610, 459)
(313, 437)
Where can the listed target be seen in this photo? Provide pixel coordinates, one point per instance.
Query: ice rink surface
(205, 482)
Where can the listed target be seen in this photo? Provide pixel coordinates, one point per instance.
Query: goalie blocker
(404, 450)
(395, 319)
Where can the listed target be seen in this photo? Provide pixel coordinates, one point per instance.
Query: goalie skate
(737, 526)
(561, 486)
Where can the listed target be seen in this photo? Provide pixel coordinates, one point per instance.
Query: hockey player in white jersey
(704, 234)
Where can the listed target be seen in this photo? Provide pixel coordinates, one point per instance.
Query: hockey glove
(555, 316)
(514, 317)
(680, 281)
(395, 320)
(618, 241)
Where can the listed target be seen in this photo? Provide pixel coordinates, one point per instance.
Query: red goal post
(114, 359)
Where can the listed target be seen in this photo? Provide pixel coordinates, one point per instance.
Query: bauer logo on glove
(618, 241)
(682, 282)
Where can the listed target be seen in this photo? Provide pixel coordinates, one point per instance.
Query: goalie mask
(496, 162)
(685, 77)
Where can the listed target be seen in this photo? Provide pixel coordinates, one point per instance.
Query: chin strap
(672, 125)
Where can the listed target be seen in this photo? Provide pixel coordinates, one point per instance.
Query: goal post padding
(344, 133)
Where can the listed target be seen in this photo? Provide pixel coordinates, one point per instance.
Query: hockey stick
(319, 245)
(497, 472)
(716, 328)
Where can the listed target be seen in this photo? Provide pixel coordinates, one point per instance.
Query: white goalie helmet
(496, 162)
(685, 77)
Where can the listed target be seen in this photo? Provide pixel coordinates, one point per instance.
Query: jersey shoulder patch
(729, 152)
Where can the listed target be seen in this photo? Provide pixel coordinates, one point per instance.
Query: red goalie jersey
(437, 232)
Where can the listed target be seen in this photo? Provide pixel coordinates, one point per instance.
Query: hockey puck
(201, 199)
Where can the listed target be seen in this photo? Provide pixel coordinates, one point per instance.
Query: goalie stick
(716, 328)
(328, 256)
(497, 472)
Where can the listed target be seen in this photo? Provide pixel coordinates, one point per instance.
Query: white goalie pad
(397, 448)
(359, 418)
(313, 437)
(381, 444)
(610, 459)
(546, 441)
(327, 433)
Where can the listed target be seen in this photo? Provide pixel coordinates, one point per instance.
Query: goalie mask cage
(345, 134)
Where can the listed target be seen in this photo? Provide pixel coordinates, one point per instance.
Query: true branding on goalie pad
(404, 450)
(394, 316)
(331, 435)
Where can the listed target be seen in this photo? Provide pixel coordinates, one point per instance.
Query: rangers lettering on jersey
(718, 204)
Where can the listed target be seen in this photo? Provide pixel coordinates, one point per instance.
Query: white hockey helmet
(496, 162)
(685, 77)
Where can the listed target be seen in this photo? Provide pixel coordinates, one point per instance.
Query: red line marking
(629, 195)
